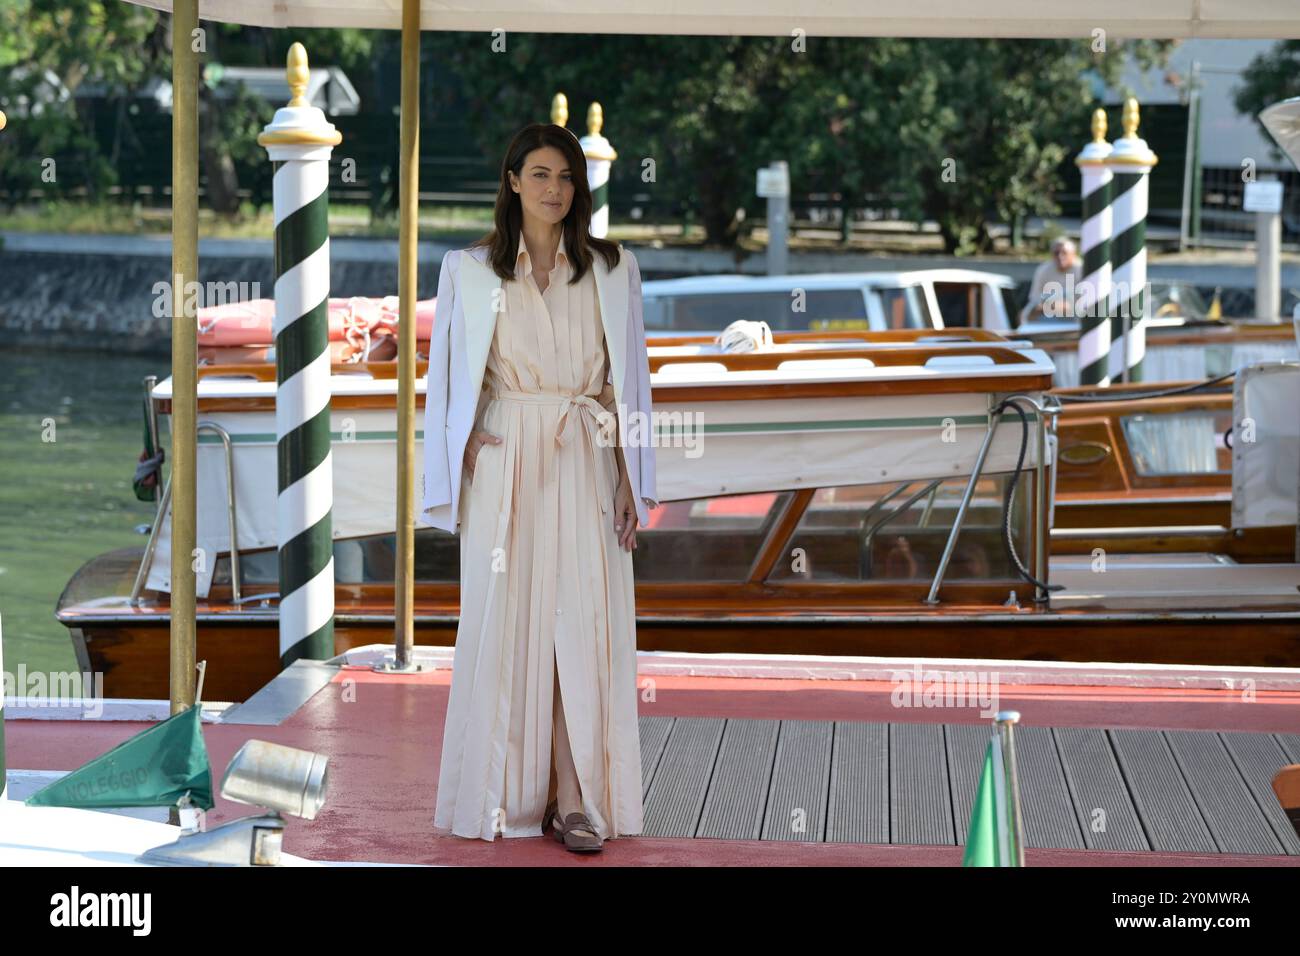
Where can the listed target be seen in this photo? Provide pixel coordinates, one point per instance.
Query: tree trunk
(221, 178)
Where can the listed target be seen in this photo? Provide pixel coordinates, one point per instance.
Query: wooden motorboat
(809, 494)
(1176, 350)
(1181, 345)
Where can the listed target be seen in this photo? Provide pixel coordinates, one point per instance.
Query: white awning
(1230, 19)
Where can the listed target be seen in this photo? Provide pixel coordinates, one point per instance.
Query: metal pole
(967, 495)
(778, 222)
(407, 287)
(185, 270)
(1005, 721)
(142, 572)
(1037, 520)
(1189, 162)
(232, 525)
(1268, 271)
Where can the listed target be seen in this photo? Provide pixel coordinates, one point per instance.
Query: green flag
(988, 838)
(155, 768)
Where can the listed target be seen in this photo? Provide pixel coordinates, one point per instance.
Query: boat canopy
(1265, 444)
(1171, 19)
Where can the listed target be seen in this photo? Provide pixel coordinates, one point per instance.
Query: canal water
(71, 431)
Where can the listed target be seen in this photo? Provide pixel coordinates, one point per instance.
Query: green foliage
(961, 132)
(867, 119)
(99, 41)
(1272, 76)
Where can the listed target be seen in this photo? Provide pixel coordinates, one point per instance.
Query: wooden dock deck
(1082, 788)
(773, 771)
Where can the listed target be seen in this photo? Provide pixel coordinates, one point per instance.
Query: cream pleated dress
(546, 591)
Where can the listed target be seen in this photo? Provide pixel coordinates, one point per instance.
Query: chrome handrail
(924, 520)
(1040, 493)
(880, 503)
(912, 499)
(146, 562)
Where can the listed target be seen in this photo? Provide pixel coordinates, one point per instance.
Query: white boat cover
(1266, 445)
(1189, 362)
(705, 448)
(1248, 19)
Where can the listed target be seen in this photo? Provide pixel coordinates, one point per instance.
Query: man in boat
(1051, 294)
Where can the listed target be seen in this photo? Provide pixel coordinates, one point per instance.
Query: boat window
(705, 539)
(368, 560)
(959, 304)
(702, 539)
(1179, 443)
(897, 532)
(656, 312)
(904, 308)
(783, 310)
(1012, 304)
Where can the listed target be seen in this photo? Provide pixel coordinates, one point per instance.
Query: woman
(537, 363)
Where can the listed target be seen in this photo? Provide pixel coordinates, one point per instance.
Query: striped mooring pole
(1093, 296)
(299, 141)
(1130, 162)
(600, 156)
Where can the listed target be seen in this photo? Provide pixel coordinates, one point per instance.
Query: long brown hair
(508, 218)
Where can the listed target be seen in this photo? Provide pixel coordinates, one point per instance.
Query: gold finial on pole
(297, 73)
(560, 110)
(1099, 126)
(289, 127)
(1130, 117)
(595, 119)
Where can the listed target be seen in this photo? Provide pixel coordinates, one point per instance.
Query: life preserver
(359, 321)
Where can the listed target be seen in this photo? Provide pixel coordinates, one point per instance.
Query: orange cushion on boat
(355, 320)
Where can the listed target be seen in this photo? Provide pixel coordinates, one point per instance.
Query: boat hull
(243, 656)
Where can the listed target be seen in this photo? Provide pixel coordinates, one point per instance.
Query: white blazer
(463, 327)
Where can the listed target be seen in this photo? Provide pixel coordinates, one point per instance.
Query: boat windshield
(863, 533)
(905, 308)
(704, 539)
(1179, 443)
(897, 532)
(792, 310)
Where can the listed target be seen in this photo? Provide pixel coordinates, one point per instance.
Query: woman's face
(545, 185)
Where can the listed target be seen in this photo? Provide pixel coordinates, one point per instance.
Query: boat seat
(959, 360)
(831, 364)
(692, 369)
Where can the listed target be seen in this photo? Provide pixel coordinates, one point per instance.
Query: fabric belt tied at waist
(598, 422)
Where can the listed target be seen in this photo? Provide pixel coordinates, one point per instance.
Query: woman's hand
(477, 439)
(625, 519)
